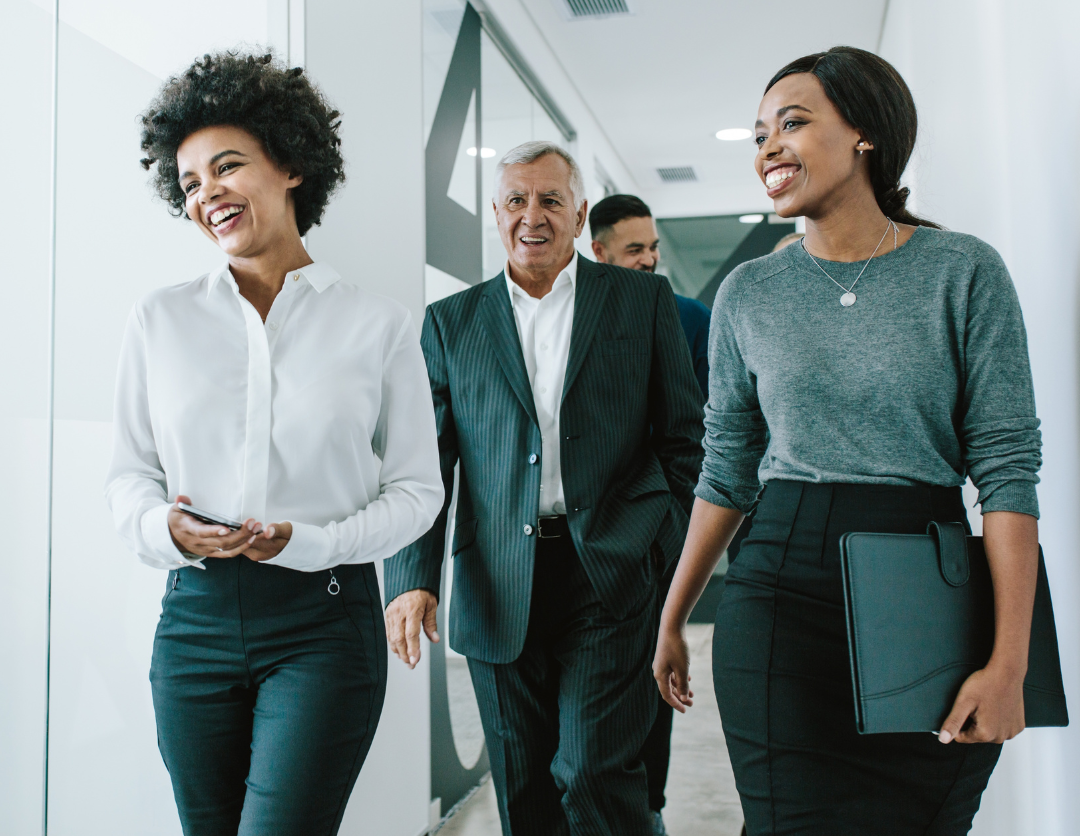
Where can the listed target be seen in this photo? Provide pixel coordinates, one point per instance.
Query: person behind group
(565, 391)
(275, 392)
(624, 233)
(862, 374)
(790, 238)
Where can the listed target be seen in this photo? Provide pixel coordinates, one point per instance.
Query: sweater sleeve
(998, 428)
(735, 431)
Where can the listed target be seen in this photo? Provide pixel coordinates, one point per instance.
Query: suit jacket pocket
(631, 346)
(649, 481)
(464, 535)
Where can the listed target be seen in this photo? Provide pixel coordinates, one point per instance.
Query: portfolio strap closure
(951, 539)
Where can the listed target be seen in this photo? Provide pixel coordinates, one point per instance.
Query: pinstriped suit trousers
(565, 721)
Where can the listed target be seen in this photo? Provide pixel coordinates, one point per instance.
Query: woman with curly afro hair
(274, 436)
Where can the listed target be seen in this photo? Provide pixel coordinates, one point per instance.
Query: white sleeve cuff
(154, 527)
(308, 550)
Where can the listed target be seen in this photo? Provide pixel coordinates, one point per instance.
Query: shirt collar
(319, 275)
(569, 271)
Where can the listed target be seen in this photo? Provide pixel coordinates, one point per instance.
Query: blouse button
(296, 277)
(273, 326)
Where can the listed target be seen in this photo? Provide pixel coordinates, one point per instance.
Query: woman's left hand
(270, 542)
(988, 709)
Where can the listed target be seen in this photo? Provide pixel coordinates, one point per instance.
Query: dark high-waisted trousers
(783, 680)
(267, 691)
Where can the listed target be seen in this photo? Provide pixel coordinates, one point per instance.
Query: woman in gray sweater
(861, 376)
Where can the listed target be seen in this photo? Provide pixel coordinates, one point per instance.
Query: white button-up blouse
(321, 416)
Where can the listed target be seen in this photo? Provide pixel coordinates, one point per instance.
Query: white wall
(998, 94)
(115, 242)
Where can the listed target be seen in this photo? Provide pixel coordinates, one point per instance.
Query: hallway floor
(701, 796)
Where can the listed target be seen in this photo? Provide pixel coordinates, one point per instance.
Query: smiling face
(632, 242)
(234, 192)
(807, 154)
(534, 208)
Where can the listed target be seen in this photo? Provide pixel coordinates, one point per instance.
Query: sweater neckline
(803, 257)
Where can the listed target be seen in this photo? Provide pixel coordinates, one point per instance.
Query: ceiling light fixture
(732, 134)
(751, 219)
(486, 153)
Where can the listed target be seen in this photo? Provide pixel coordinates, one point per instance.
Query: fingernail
(270, 532)
(222, 533)
(435, 636)
(251, 540)
(945, 737)
(412, 660)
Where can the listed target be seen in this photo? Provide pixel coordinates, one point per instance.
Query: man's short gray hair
(530, 152)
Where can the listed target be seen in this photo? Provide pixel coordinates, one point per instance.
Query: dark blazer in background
(628, 490)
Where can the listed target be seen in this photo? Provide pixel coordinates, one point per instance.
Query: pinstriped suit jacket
(631, 425)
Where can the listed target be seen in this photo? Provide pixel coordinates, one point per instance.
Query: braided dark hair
(873, 98)
(277, 105)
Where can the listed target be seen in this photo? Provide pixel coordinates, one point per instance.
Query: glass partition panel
(25, 216)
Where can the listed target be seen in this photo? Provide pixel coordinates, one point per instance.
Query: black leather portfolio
(920, 620)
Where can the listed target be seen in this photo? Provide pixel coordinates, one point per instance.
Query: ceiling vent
(678, 174)
(592, 9)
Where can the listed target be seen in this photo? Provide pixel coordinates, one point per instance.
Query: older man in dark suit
(565, 390)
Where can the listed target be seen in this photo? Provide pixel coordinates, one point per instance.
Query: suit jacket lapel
(498, 318)
(589, 297)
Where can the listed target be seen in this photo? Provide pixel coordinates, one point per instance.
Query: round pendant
(848, 299)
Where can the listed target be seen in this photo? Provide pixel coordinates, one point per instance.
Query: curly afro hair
(277, 105)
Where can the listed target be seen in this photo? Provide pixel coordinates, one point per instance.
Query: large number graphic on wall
(454, 243)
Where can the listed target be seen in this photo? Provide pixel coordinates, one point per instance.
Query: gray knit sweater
(925, 379)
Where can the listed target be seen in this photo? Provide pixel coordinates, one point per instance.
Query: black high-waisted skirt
(783, 680)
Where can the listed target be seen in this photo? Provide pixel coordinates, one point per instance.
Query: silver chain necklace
(848, 299)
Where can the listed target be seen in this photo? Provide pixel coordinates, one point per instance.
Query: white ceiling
(663, 80)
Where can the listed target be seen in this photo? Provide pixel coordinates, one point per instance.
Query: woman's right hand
(195, 537)
(711, 529)
(671, 669)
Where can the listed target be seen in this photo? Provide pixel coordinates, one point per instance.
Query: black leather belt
(550, 528)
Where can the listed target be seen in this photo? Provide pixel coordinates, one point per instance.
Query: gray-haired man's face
(534, 208)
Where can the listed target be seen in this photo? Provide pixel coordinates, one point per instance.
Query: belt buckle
(540, 527)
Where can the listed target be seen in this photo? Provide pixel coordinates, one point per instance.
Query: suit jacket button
(533, 459)
(528, 530)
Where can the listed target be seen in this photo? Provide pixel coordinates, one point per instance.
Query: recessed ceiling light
(486, 153)
(751, 219)
(732, 134)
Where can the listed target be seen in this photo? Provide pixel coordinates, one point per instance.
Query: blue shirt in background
(694, 317)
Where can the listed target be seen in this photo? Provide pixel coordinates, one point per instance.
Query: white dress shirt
(321, 416)
(544, 327)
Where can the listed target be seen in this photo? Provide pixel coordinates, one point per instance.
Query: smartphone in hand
(209, 517)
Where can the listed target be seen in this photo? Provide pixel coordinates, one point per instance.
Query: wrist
(1008, 665)
(671, 623)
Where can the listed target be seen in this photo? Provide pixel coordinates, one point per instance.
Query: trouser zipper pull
(334, 588)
